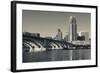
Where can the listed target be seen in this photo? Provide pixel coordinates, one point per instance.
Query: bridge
(36, 44)
(43, 44)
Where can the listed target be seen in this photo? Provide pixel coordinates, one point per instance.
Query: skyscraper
(59, 35)
(72, 29)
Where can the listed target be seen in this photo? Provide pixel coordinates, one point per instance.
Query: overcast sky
(46, 22)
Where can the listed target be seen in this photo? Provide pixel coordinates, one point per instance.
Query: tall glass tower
(72, 29)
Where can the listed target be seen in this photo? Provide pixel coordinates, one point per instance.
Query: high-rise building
(86, 34)
(59, 35)
(72, 29)
(66, 38)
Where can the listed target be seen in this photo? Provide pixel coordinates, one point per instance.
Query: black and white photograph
(47, 36)
(55, 36)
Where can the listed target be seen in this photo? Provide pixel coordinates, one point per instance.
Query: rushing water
(57, 55)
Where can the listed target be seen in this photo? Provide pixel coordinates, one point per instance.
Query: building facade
(72, 29)
(59, 35)
(85, 34)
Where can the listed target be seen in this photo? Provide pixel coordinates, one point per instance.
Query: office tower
(66, 38)
(72, 29)
(59, 35)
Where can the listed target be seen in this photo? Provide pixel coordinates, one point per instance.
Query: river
(57, 55)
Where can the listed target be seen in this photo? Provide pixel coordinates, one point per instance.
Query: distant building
(81, 38)
(66, 38)
(27, 33)
(59, 35)
(36, 34)
(81, 42)
(85, 34)
(31, 34)
(72, 29)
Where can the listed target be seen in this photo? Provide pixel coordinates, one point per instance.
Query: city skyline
(47, 22)
(54, 36)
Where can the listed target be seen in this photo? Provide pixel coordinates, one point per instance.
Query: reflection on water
(57, 55)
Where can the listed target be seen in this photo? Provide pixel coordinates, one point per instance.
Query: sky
(47, 22)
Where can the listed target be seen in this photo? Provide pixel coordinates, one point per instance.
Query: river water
(57, 55)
